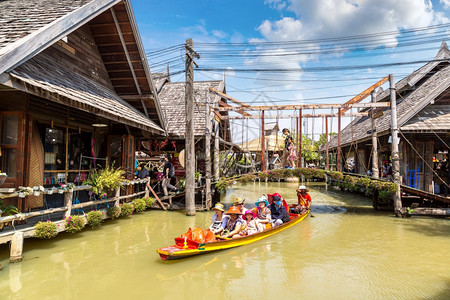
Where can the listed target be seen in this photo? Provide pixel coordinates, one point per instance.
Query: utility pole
(189, 136)
(338, 161)
(208, 153)
(300, 162)
(326, 139)
(394, 145)
(263, 144)
(374, 141)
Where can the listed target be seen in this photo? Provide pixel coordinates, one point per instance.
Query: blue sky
(167, 23)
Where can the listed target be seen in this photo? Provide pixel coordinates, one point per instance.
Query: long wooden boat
(182, 250)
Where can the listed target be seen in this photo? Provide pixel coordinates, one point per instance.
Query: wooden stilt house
(75, 91)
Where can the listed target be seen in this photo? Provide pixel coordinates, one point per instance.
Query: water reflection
(346, 251)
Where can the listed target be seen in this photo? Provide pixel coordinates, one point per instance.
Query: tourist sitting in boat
(263, 213)
(304, 201)
(234, 223)
(250, 222)
(219, 219)
(278, 212)
(239, 202)
(270, 199)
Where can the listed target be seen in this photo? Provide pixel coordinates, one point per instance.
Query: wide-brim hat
(234, 210)
(262, 199)
(302, 187)
(238, 201)
(251, 212)
(218, 206)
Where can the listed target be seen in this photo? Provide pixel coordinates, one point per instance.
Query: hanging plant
(46, 230)
(94, 218)
(74, 224)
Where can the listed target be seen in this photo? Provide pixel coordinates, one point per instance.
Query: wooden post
(16, 247)
(189, 136)
(117, 196)
(208, 154)
(156, 197)
(394, 152)
(263, 144)
(297, 139)
(327, 148)
(374, 142)
(68, 196)
(338, 161)
(300, 137)
(216, 151)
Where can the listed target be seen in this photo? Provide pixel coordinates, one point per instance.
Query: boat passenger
(263, 213)
(239, 202)
(278, 212)
(234, 223)
(270, 199)
(250, 222)
(304, 201)
(219, 220)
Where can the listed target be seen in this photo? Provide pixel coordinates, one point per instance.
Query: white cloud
(219, 33)
(277, 4)
(326, 18)
(445, 3)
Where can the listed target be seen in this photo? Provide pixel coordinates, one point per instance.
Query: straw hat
(238, 201)
(233, 210)
(302, 187)
(218, 206)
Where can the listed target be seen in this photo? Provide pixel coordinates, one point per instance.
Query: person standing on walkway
(168, 174)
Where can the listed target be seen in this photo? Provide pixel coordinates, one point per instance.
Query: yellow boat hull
(177, 252)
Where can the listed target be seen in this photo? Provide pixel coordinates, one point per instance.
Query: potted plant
(71, 186)
(24, 191)
(105, 180)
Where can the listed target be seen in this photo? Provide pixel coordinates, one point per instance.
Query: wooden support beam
(304, 106)
(300, 137)
(223, 104)
(361, 96)
(327, 146)
(338, 162)
(355, 114)
(156, 196)
(223, 95)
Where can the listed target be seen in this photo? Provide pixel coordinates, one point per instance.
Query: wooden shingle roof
(44, 77)
(426, 84)
(173, 105)
(20, 18)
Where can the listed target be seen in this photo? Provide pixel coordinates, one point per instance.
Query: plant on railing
(7, 210)
(62, 188)
(113, 212)
(384, 196)
(106, 179)
(148, 201)
(74, 224)
(94, 218)
(46, 230)
(139, 205)
(24, 191)
(126, 209)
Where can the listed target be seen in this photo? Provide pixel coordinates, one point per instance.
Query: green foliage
(182, 183)
(113, 212)
(126, 209)
(46, 230)
(105, 179)
(384, 196)
(148, 201)
(139, 205)
(74, 224)
(7, 210)
(94, 218)
(197, 175)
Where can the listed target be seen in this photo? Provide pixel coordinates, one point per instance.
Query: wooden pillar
(300, 137)
(374, 141)
(394, 153)
(16, 247)
(216, 151)
(208, 154)
(117, 195)
(189, 135)
(297, 139)
(68, 196)
(263, 144)
(327, 149)
(338, 160)
(428, 172)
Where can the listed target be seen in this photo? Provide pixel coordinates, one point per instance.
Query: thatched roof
(416, 107)
(255, 144)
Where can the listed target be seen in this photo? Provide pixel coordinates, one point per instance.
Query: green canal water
(347, 251)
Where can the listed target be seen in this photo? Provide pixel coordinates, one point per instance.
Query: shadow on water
(442, 295)
(429, 227)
